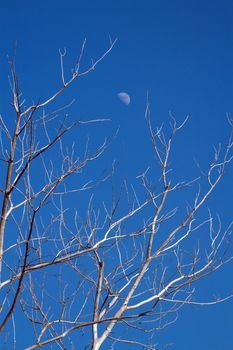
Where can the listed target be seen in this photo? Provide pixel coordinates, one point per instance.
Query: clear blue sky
(179, 51)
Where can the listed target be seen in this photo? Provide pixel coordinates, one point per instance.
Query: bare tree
(78, 274)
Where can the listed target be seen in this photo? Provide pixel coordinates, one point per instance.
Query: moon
(124, 97)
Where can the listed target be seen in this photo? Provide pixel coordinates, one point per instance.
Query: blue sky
(181, 52)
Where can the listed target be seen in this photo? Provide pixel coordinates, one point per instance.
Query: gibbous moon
(124, 97)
